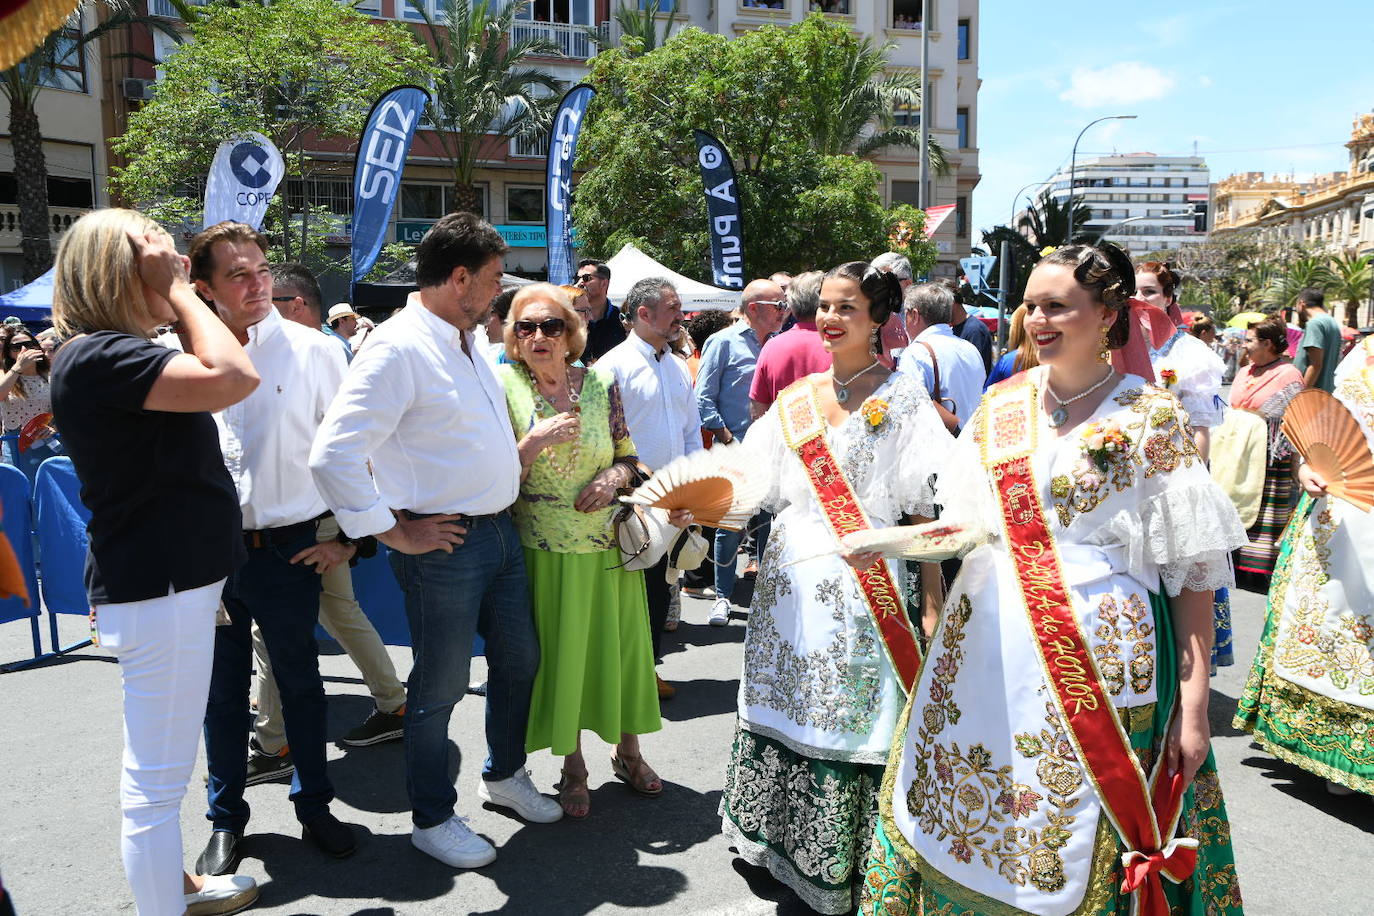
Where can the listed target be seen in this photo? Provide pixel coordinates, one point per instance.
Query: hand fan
(1330, 439)
(938, 540)
(31, 430)
(712, 484)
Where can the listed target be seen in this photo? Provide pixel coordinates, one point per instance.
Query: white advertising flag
(243, 178)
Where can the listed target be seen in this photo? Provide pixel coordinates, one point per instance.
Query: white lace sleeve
(962, 491)
(769, 455)
(924, 446)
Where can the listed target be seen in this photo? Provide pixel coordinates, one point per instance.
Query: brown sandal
(573, 795)
(637, 774)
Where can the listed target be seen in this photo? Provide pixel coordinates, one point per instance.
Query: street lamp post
(1073, 164)
(923, 183)
(1011, 222)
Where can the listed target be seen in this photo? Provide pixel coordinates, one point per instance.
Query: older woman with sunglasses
(596, 668)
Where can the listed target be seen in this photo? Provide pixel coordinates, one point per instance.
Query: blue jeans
(726, 546)
(284, 600)
(479, 588)
(28, 460)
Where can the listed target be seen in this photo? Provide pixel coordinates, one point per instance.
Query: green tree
(21, 85)
(483, 94)
(1024, 257)
(803, 206)
(1351, 276)
(1281, 292)
(638, 28)
(1048, 221)
(302, 72)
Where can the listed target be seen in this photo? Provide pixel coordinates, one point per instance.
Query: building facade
(510, 179)
(1140, 201)
(1334, 210)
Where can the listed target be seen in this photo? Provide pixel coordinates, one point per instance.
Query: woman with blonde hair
(165, 529)
(596, 667)
(1021, 351)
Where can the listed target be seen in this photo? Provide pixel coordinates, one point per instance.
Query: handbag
(644, 535)
(947, 414)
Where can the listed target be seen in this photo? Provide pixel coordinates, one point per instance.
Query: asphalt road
(1299, 850)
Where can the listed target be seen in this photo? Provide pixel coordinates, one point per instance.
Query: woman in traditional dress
(1070, 663)
(1310, 696)
(830, 650)
(596, 665)
(1265, 385)
(1191, 369)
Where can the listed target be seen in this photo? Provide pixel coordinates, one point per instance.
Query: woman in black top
(165, 526)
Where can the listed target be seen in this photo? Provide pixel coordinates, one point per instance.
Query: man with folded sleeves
(266, 441)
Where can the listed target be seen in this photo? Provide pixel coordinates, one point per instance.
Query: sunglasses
(26, 345)
(552, 327)
(779, 304)
(285, 298)
(586, 278)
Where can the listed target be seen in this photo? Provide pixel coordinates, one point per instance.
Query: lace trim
(1187, 532)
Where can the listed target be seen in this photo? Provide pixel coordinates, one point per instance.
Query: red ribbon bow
(1178, 859)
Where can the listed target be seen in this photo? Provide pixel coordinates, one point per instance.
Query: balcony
(572, 40)
(61, 219)
(165, 10)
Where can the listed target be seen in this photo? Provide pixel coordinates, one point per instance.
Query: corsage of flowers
(874, 410)
(1103, 441)
(1168, 378)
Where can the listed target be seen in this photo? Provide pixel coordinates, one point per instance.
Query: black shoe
(268, 768)
(379, 728)
(221, 854)
(331, 835)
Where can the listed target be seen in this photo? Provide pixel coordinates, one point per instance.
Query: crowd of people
(1017, 724)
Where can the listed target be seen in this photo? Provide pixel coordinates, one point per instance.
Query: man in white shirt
(296, 294)
(935, 350)
(266, 439)
(425, 409)
(660, 407)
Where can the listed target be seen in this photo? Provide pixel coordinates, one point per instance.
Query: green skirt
(596, 664)
(1324, 736)
(896, 886)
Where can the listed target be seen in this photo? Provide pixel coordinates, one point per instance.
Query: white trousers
(165, 647)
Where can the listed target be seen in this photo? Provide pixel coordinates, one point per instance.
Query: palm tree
(1048, 221)
(640, 26)
(482, 93)
(857, 114)
(1281, 292)
(1351, 277)
(21, 85)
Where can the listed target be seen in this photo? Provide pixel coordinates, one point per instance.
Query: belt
(267, 537)
(463, 518)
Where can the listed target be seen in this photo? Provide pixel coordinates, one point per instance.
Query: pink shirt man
(784, 359)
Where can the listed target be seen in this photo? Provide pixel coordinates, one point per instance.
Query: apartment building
(510, 179)
(1333, 210)
(1141, 201)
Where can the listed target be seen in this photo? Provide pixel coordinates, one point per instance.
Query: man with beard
(660, 406)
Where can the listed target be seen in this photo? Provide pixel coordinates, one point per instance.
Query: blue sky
(1261, 85)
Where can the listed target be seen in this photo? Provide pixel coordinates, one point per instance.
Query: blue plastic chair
(18, 527)
(60, 519)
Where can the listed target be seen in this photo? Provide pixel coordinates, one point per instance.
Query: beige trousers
(343, 619)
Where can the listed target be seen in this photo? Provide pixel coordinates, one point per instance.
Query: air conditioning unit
(140, 90)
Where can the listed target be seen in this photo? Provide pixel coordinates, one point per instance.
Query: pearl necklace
(565, 465)
(1059, 416)
(842, 395)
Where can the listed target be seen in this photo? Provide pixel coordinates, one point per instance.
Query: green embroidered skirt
(895, 886)
(596, 662)
(1322, 735)
(807, 821)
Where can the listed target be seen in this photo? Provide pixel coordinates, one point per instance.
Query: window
(961, 118)
(670, 6)
(906, 192)
(961, 216)
(524, 204)
(750, 4)
(76, 193)
(372, 7)
(964, 39)
(907, 116)
(336, 195)
(69, 71)
(431, 201)
(906, 14)
(829, 6)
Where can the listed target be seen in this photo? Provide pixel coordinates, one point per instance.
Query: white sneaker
(519, 794)
(454, 843)
(720, 613)
(222, 894)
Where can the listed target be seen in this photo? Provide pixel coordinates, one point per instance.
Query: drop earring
(1104, 354)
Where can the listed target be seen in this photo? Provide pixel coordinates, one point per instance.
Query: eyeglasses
(552, 327)
(25, 345)
(779, 304)
(587, 278)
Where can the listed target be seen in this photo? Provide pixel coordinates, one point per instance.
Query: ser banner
(243, 177)
(567, 124)
(381, 158)
(722, 208)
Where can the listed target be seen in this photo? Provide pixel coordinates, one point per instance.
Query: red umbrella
(25, 23)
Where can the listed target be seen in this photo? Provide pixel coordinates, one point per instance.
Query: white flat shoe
(222, 894)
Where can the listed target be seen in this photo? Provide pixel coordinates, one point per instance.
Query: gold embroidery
(1127, 623)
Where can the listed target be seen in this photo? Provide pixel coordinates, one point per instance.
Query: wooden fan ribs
(1332, 442)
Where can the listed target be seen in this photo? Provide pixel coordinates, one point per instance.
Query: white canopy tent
(631, 265)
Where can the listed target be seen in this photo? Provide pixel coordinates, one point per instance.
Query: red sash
(1142, 813)
(803, 429)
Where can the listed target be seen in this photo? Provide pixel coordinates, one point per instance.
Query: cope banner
(381, 158)
(243, 177)
(722, 209)
(567, 124)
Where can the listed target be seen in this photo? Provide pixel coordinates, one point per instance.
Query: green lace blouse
(543, 512)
